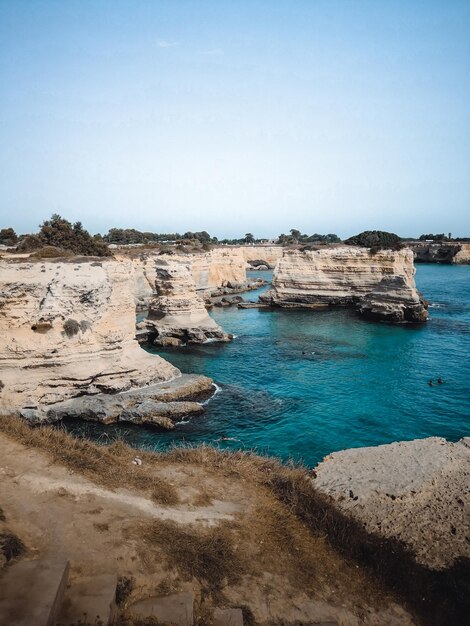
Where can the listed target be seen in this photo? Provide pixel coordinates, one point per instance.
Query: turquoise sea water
(301, 384)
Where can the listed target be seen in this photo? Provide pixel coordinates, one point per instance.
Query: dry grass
(110, 466)
(208, 555)
(294, 530)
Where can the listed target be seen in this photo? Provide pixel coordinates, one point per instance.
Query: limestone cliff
(448, 252)
(217, 268)
(412, 491)
(67, 329)
(209, 270)
(380, 285)
(177, 314)
(270, 255)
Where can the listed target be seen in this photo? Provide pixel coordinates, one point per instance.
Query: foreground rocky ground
(195, 532)
(194, 521)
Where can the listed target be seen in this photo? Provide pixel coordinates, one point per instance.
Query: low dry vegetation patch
(110, 466)
(209, 555)
(11, 546)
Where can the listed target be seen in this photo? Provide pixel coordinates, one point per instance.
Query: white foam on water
(217, 390)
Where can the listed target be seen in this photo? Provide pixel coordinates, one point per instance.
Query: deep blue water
(300, 384)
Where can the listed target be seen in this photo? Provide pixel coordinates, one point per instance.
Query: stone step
(91, 600)
(228, 617)
(176, 608)
(31, 592)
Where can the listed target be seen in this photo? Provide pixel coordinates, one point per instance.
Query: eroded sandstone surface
(447, 252)
(177, 315)
(413, 491)
(380, 284)
(67, 329)
(211, 270)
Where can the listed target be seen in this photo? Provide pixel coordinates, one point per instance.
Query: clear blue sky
(249, 115)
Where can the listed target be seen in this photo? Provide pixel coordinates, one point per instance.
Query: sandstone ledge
(158, 405)
(415, 492)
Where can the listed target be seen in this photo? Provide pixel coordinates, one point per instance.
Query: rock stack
(177, 315)
(380, 285)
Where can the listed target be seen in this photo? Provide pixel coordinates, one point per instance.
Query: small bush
(124, 588)
(29, 243)
(50, 252)
(11, 546)
(375, 240)
(71, 327)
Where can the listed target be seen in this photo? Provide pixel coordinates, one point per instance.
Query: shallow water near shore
(301, 384)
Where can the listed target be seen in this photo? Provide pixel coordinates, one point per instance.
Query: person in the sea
(225, 438)
(430, 382)
(440, 381)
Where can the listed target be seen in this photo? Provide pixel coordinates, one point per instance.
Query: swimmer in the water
(440, 381)
(430, 383)
(225, 438)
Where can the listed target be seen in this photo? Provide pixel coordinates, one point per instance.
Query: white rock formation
(209, 270)
(177, 314)
(448, 252)
(218, 268)
(68, 329)
(269, 254)
(413, 491)
(349, 276)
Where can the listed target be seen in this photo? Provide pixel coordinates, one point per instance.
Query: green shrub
(50, 252)
(376, 240)
(61, 233)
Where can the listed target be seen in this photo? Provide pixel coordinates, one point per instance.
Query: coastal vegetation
(376, 240)
(8, 237)
(60, 234)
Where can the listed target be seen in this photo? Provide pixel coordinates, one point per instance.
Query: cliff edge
(67, 329)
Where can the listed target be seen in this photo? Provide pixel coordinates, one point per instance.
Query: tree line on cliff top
(57, 235)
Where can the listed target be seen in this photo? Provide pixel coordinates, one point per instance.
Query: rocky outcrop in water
(177, 315)
(216, 269)
(393, 300)
(67, 329)
(379, 285)
(415, 492)
(447, 253)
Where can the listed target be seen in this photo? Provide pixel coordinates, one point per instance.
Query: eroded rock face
(177, 314)
(393, 300)
(68, 329)
(211, 270)
(413, 491)
(381, 285)
(218, 268)
(268, 255)
(447, 252)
